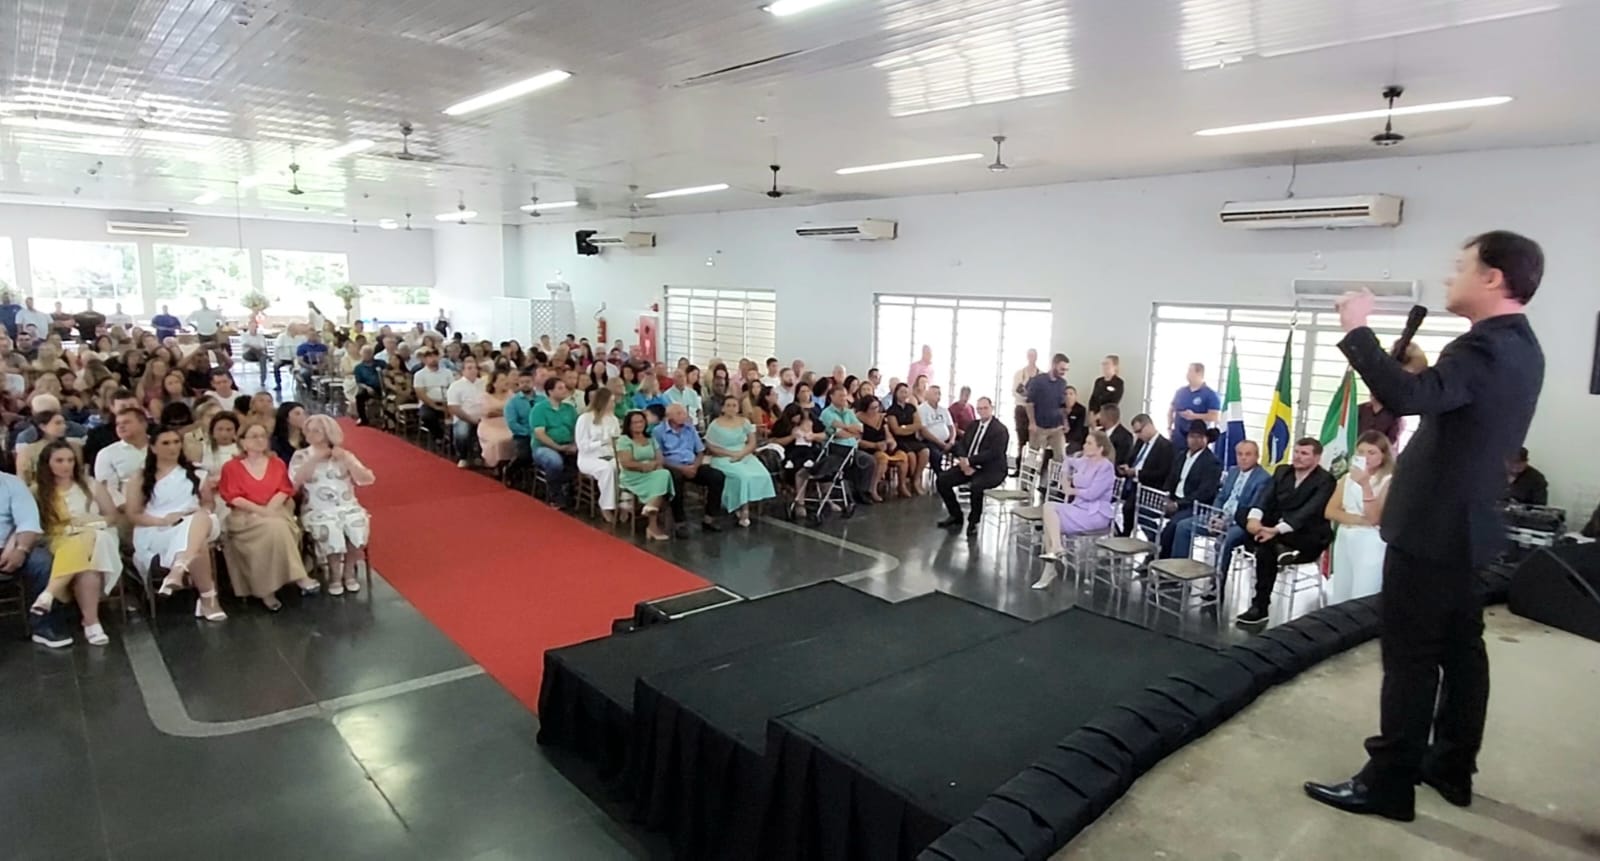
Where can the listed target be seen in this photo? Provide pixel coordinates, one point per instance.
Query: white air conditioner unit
(1361, 210)
(867, 229)
(1323, 292)
(165, 229)
(631, 239)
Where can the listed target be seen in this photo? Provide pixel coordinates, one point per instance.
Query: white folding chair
(1171, 584)
(1031, 517)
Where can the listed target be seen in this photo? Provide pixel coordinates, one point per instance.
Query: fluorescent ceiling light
(388, 224)
(684, 192)
(916, 162)
(539, 207)
(1377, 114)
(784, 8)
(208, 198)
(253, 181)
(508, 92)
(456, 215)
(351, 148)
(98, 130)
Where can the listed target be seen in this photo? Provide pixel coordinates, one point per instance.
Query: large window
(975, 342)
(8, 268)
(290, 279)
(397, 305)
(71, 272)
(705, 323)
(187, 273)
(1181, 334)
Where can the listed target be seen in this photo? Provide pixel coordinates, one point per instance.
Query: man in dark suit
(1235, 497)
(1524, 484)
(1288, 523)
(1193, 479)
(1109, 419)
(1441, 522)
(980, 464)
(1148, 465)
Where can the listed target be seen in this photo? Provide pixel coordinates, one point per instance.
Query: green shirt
(833, 416)
(558, 422)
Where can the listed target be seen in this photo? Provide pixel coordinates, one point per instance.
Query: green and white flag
(1339, 427)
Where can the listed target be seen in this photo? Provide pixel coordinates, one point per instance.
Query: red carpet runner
(498, 572)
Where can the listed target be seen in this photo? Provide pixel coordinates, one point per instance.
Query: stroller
(826, 486)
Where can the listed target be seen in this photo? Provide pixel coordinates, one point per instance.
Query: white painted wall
(1103, 252)
(384, 257)
(470, 267)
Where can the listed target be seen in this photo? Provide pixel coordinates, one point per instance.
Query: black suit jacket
(1122, 442)
(1157, 466)
(989, 460)
(1204, 478)
(1303, 507)
(1476, 404)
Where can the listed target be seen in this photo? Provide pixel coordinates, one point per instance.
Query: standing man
(980, 464)
(165, 324)
(922, 367)
(8, 314)
(1108, 388)
(1440, 522)
(1195, 402)
(1019, 386)
(31, 316)
(1288, 523)
(88, 322)
(120, 317)
(206, 322)
(1047, 409)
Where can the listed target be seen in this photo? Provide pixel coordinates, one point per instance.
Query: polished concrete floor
(1235, 794)
(352, 728)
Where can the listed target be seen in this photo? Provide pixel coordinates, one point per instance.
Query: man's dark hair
(1141, 419)
(772, 360)
(1314, 443)
(1198, 367)
(123, 395)
(1113, 412)
(1522, 455)
(133, 411)
(1519, 259)
(871, 371)
(551, 383)
(221, 372)
(1060, 357)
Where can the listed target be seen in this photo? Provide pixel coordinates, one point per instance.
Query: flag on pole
(1280, 416)
(1339, 427)
(1232, 413)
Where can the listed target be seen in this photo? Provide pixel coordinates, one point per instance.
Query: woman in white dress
(1355, 509)
(595, 435)
(328, 474)
(169, 504)
(86, 561)
(221, 444)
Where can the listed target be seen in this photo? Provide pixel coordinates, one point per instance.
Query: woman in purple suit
(1089, 504)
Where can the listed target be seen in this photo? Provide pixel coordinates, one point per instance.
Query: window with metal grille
(977, 342)
(1181, 334)
(706, 323)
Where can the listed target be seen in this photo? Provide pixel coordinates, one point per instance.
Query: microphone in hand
(1413, 323)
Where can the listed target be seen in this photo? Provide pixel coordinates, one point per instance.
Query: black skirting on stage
(586, 698)
(696, 764)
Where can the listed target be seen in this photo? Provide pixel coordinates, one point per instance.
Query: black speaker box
(1560, 587)
(585, 247)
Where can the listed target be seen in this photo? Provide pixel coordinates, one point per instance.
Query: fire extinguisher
(600, 325)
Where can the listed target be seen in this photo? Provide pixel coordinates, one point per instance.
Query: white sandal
(43, 604)
(95, 634)
(200, 608)
(174, 579)
(352, 584)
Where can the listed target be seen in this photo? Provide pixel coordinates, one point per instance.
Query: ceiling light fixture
(388, 224)
(97, 130)
(351, 148)
(456, 215)
(508, 92)
(540, 207)
(915, 162)
(785, 8)
(208, 198)
(684, 192)
(1378, 114)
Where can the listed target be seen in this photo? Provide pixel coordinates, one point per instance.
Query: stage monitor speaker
(585, 247)
(1560, 587)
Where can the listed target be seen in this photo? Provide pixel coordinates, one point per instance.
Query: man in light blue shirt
(683, 452)
(1237, 494)
(680, 393)
(24, 556)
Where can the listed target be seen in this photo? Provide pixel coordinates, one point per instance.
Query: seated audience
(1288, 523)
(596, 434)
(1238, 492)
(169, 505)
(311, 360)
(220, 445)
(328, 474)
(1077, 421)
(118, 463)
(222, 391)
(1194, 479)
(683, 452)
(49, 427)
(684, 394)
(495, 444)
(26, 557)
(980, 465)
(554, 423)
(1109, 419)
(648, 394)
(288, 430)
(431, 383)
(1149, 465)
(905, 428)
(961, 410)
(1524, 484)
(464, 400)
(845, 432)
(104, 432)
(369, 383)
(731, 441)
(876, 440)
(938, 428)
(76, 518)
(1355, 509)
(254, 342)
(642, 472)
(1088, 508)
(263, 547)
(261, 409)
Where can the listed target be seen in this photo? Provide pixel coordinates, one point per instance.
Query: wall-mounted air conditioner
(1323, 292)
(163, 229)
(1361, 210)
(867, 229)
(631, 239)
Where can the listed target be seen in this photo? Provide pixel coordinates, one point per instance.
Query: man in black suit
(1524, 484)
(980, 464)
(1288, 524)
(1194, 479)
(1148, 465)
(1441, 522)
(1109, 419)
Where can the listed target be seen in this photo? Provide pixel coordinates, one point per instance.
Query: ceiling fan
(1389, 137)
(999, 165)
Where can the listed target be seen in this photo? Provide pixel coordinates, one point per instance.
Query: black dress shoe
(709, 526)
(950, 523)
(1254, 617)
(1459, 794)
(1353, 796)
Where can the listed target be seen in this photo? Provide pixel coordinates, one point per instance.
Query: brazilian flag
(1280, 416)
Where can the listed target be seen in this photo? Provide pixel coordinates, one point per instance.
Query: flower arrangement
(255, 300)
(348, 293)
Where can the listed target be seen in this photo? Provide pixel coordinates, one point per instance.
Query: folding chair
(1031, 517)
(1297, 577)
(1028, 466)
(1170, 584)
(1116, 559)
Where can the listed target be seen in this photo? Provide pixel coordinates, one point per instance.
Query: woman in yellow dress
(82, 539)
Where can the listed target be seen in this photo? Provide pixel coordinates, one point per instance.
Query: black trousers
(707, 477)
(364, 397)
(976, 483)
(1435, 675)
(1020, 414)
(277, 372)
(1306, 547)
